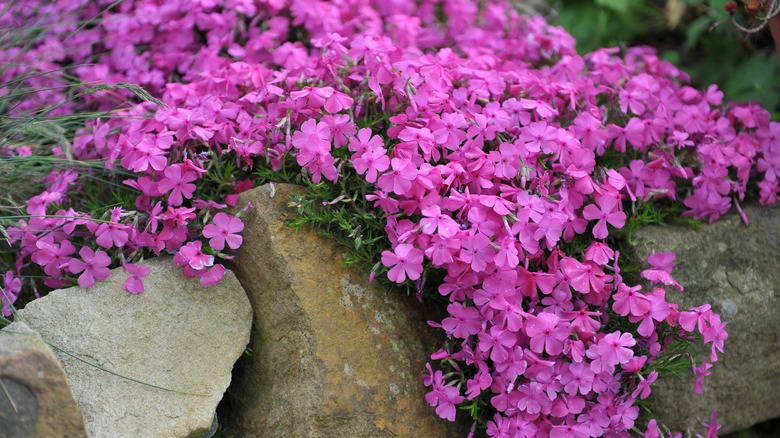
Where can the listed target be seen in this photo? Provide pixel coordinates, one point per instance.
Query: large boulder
(35, 400)
(154, 364)
(733, 267)
(334, 356)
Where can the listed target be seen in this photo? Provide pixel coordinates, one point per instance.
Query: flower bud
(753, 7)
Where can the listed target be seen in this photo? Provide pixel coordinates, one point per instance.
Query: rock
(333, 355)
(767, 429)
(177, 336)
(734, 268)
(35, 400)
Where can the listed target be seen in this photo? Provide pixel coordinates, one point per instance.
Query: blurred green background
(695, 35)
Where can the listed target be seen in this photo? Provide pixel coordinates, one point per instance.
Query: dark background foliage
(695, 35)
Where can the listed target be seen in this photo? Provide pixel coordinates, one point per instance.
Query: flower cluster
(484, 138)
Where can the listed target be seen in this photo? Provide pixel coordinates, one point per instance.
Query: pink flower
(643, 389)
(584, 277)
(508, 256)
(178, 182)
(663, 261)
(608, 210)
(582, 322)
(337, 102)
(312, 136)
(93, 266)
(614, 349)
(714, 331)
(599, 253)
(399, 179)
(590, 132)
(111, 234)
(364, 141)
(149, 155)
(498, 342)
(212, 276)
(406, 261)
(441, 250)
(371, 162)
(630, 300)
(507, 161)
(445, 397)
(652, 429)
(539, 136)
(10, 292)
(209, 204)
(658, 311)
(477, 251)
(661, 276)
(192, 255)
(570, 431)
(695, 317)
(701, 372)
(434, 219)
(315, 156)
(532, 398)
(579, 378)
(134, 283)
(546, 333)
(224, 229)
(713, 427)
(449, 131)
(53, 257)
(445, 400)
(463, 321)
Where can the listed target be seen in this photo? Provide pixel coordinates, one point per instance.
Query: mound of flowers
(494, 154)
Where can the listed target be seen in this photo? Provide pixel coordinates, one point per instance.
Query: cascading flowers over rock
(485, 141)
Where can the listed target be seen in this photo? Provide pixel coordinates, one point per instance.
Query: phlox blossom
(93, 266)
(546, 333)
(134, 283)
(371, 162)
(404, 261)
(224, 229)
(179, 182)
(606, 210)
(9, 292)
(191, 255)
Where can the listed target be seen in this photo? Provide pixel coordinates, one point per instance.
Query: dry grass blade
(49, 131)
(8, 395)
(137, 91)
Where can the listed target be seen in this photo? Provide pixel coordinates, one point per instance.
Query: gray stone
(177, 336)
(333, 355)
(35, 399)
(735, 268)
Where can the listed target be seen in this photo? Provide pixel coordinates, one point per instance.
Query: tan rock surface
(35, 400)
(177, 335)
(734, 268)
(333, 355)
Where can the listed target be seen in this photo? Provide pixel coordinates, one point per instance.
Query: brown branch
(774, 28)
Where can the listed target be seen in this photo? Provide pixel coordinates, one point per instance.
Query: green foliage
(478, 408)
(45, 128)
(342, 212)
(695, 35)
(607, 23)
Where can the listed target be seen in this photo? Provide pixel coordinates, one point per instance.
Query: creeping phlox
(480, 132)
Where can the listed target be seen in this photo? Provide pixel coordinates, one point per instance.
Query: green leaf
(619, 6)
(695, 31)
(756, 79)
